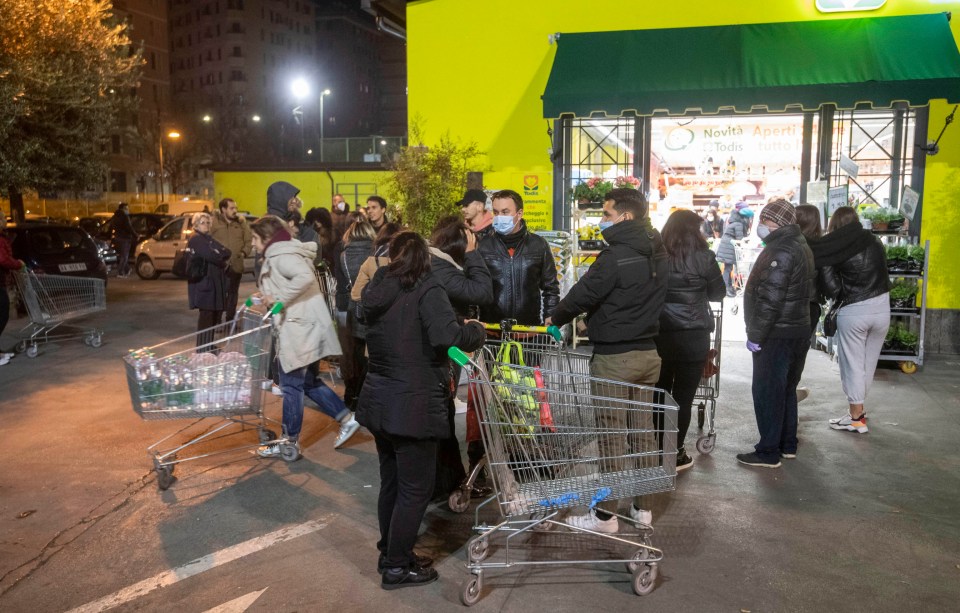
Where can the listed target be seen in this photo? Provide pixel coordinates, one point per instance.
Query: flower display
(595, 189)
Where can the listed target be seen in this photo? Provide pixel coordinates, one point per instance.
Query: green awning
(879, 60)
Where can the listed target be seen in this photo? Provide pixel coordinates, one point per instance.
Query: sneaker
(419, 562)
(276, 390)
(641, 517)
(752, 459)
(4, 361)
(8, 355)
(396, 578)
(347, 429)
(802, 393)
(591, 522)
(788, 456)
(683, 460)
(266, 384)
(269, 451)
(851, 425)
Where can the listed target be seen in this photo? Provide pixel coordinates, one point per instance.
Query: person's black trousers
(777, 368)
(407, 471)
(4, 308)
(681, 380)
(207, 319)
(232, 294)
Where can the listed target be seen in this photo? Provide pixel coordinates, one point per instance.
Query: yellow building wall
(249, 188)
(476, 70)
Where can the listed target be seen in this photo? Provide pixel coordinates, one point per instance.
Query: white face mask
(763, 231)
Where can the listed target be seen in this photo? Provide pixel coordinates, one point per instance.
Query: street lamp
(323, 95)
(301, 91)
(172, 135)
(207, 119)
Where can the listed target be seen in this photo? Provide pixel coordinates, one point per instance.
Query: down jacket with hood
(278, 195)
(776, 302)
(467, 285)
(407, 389)
(738, 226)
(623, 291)
(306, 332)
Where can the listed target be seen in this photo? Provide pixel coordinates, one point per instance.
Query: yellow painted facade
(477, 70)
(249, 188)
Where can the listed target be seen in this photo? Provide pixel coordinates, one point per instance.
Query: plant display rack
(587, 245)
(909, 319)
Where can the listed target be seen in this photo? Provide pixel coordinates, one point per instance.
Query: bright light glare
(309, 151)
(256, 118)
(206, 119)
(300, 88)
(173, 134)
(383, 142)
(326, 92)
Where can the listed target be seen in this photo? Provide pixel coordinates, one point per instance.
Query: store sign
(531, 185)
(837, 197)
(848, 6)
(849, 166)
(908, 202)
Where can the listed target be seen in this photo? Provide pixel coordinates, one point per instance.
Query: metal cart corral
(52, 300)
(556, 441)
(217, 372)
(709, 387)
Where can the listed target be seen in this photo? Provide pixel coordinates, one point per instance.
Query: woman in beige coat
(306, 332)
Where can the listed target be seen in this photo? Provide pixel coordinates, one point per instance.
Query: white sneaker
(591, 522)
(276, 390)
(7, 355)
(802, 393)
(269, 451)
(266, 384)
(841, 421)
(641, 517)
(347, 429)
(4, 361)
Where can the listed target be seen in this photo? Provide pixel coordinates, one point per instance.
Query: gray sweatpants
(861, 329)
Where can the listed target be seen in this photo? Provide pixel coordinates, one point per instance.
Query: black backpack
(188, 264)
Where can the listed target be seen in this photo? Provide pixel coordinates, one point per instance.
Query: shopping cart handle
(276, 308)
(555, 333)
(458, 356)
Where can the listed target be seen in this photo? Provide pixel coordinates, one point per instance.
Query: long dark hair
(808, 218)
(841, 217)
(386, 234)
(450, 237)
(681, 235)
(409, 258)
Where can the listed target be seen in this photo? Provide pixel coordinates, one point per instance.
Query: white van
(179, 207)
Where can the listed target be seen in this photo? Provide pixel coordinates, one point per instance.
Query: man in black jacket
(777, 313)
(622, 294)
(525, 285)
(124, 236)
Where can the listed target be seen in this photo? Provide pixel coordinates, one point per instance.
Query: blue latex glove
(753, 347)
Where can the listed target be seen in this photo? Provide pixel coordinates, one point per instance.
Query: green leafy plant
(908, 339)
(595, 189)
(916, 253)
(881, 215)
(426, 182)
(897, 252)
(892, 333)
(901, 290)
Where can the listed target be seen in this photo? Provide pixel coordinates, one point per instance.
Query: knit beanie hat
(741, 205)
(779, 212)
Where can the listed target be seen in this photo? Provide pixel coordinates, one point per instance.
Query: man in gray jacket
(231, 230)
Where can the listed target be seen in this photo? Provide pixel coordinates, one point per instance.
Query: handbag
(830, 319)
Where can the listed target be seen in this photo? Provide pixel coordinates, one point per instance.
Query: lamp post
(172, 135)
(301, 90)
(323, 95)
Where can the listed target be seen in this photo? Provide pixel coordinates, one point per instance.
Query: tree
(67, 73)
(426, 182)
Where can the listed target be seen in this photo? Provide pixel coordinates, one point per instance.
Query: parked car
(57, 249)
(155, 255)
(145, 224)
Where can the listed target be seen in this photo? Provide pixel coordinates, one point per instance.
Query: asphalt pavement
(855, 523)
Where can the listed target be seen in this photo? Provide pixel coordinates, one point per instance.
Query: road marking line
(207, 562)
(237, 605)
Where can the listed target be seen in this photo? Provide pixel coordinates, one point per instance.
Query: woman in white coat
(306, 333)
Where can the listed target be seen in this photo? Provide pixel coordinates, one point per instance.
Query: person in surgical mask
(712, 226)
(525, 285)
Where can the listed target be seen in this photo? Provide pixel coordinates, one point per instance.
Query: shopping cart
(217, 372)
(709, 387)
(746, 254)
(536, 346)
(50, 301)
(328, 287)
(556, 440)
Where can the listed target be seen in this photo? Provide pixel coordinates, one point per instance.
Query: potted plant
(591, 193)
(908, 340)
(881, 218)
(890, 342)
(897, 258)
(915, 257)
(903, 296)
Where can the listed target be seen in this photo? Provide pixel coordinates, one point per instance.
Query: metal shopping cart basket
(212, 373)
(328, 287)
(746, 255)
(535, 346)
(709, 387)
(50, 301)
(558, 440)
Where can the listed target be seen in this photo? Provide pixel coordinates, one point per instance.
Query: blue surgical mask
(763, 231)
(502, 224)
(603, 225)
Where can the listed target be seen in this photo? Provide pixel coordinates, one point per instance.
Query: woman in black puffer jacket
(738, 226)
(351, 254)
(405, 398)
(459, 269)
(686, 320)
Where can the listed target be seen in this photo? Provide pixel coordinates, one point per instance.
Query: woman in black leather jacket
(686, 320)
(853, 268)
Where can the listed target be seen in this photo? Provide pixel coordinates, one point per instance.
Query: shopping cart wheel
(644, 579)
(477, 550)
(32, 351)
(165, 476)
(701, 415)
(96, 341)
(289, 453)
(21, 347)
(638, 558)
(266, 435)
(471, 592)
(908, 368)
(706, 444)
(459, 500)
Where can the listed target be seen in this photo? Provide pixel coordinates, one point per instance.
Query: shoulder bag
(830, 319)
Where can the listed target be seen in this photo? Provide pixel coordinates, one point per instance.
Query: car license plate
(73, 267)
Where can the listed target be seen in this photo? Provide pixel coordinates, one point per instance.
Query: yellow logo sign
(531, 185)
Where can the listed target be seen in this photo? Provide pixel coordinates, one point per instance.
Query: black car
(145, 224)
(57, 249)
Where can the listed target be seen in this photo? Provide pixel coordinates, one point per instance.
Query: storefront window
(878, 142)
(599, 148)
(721, 160)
